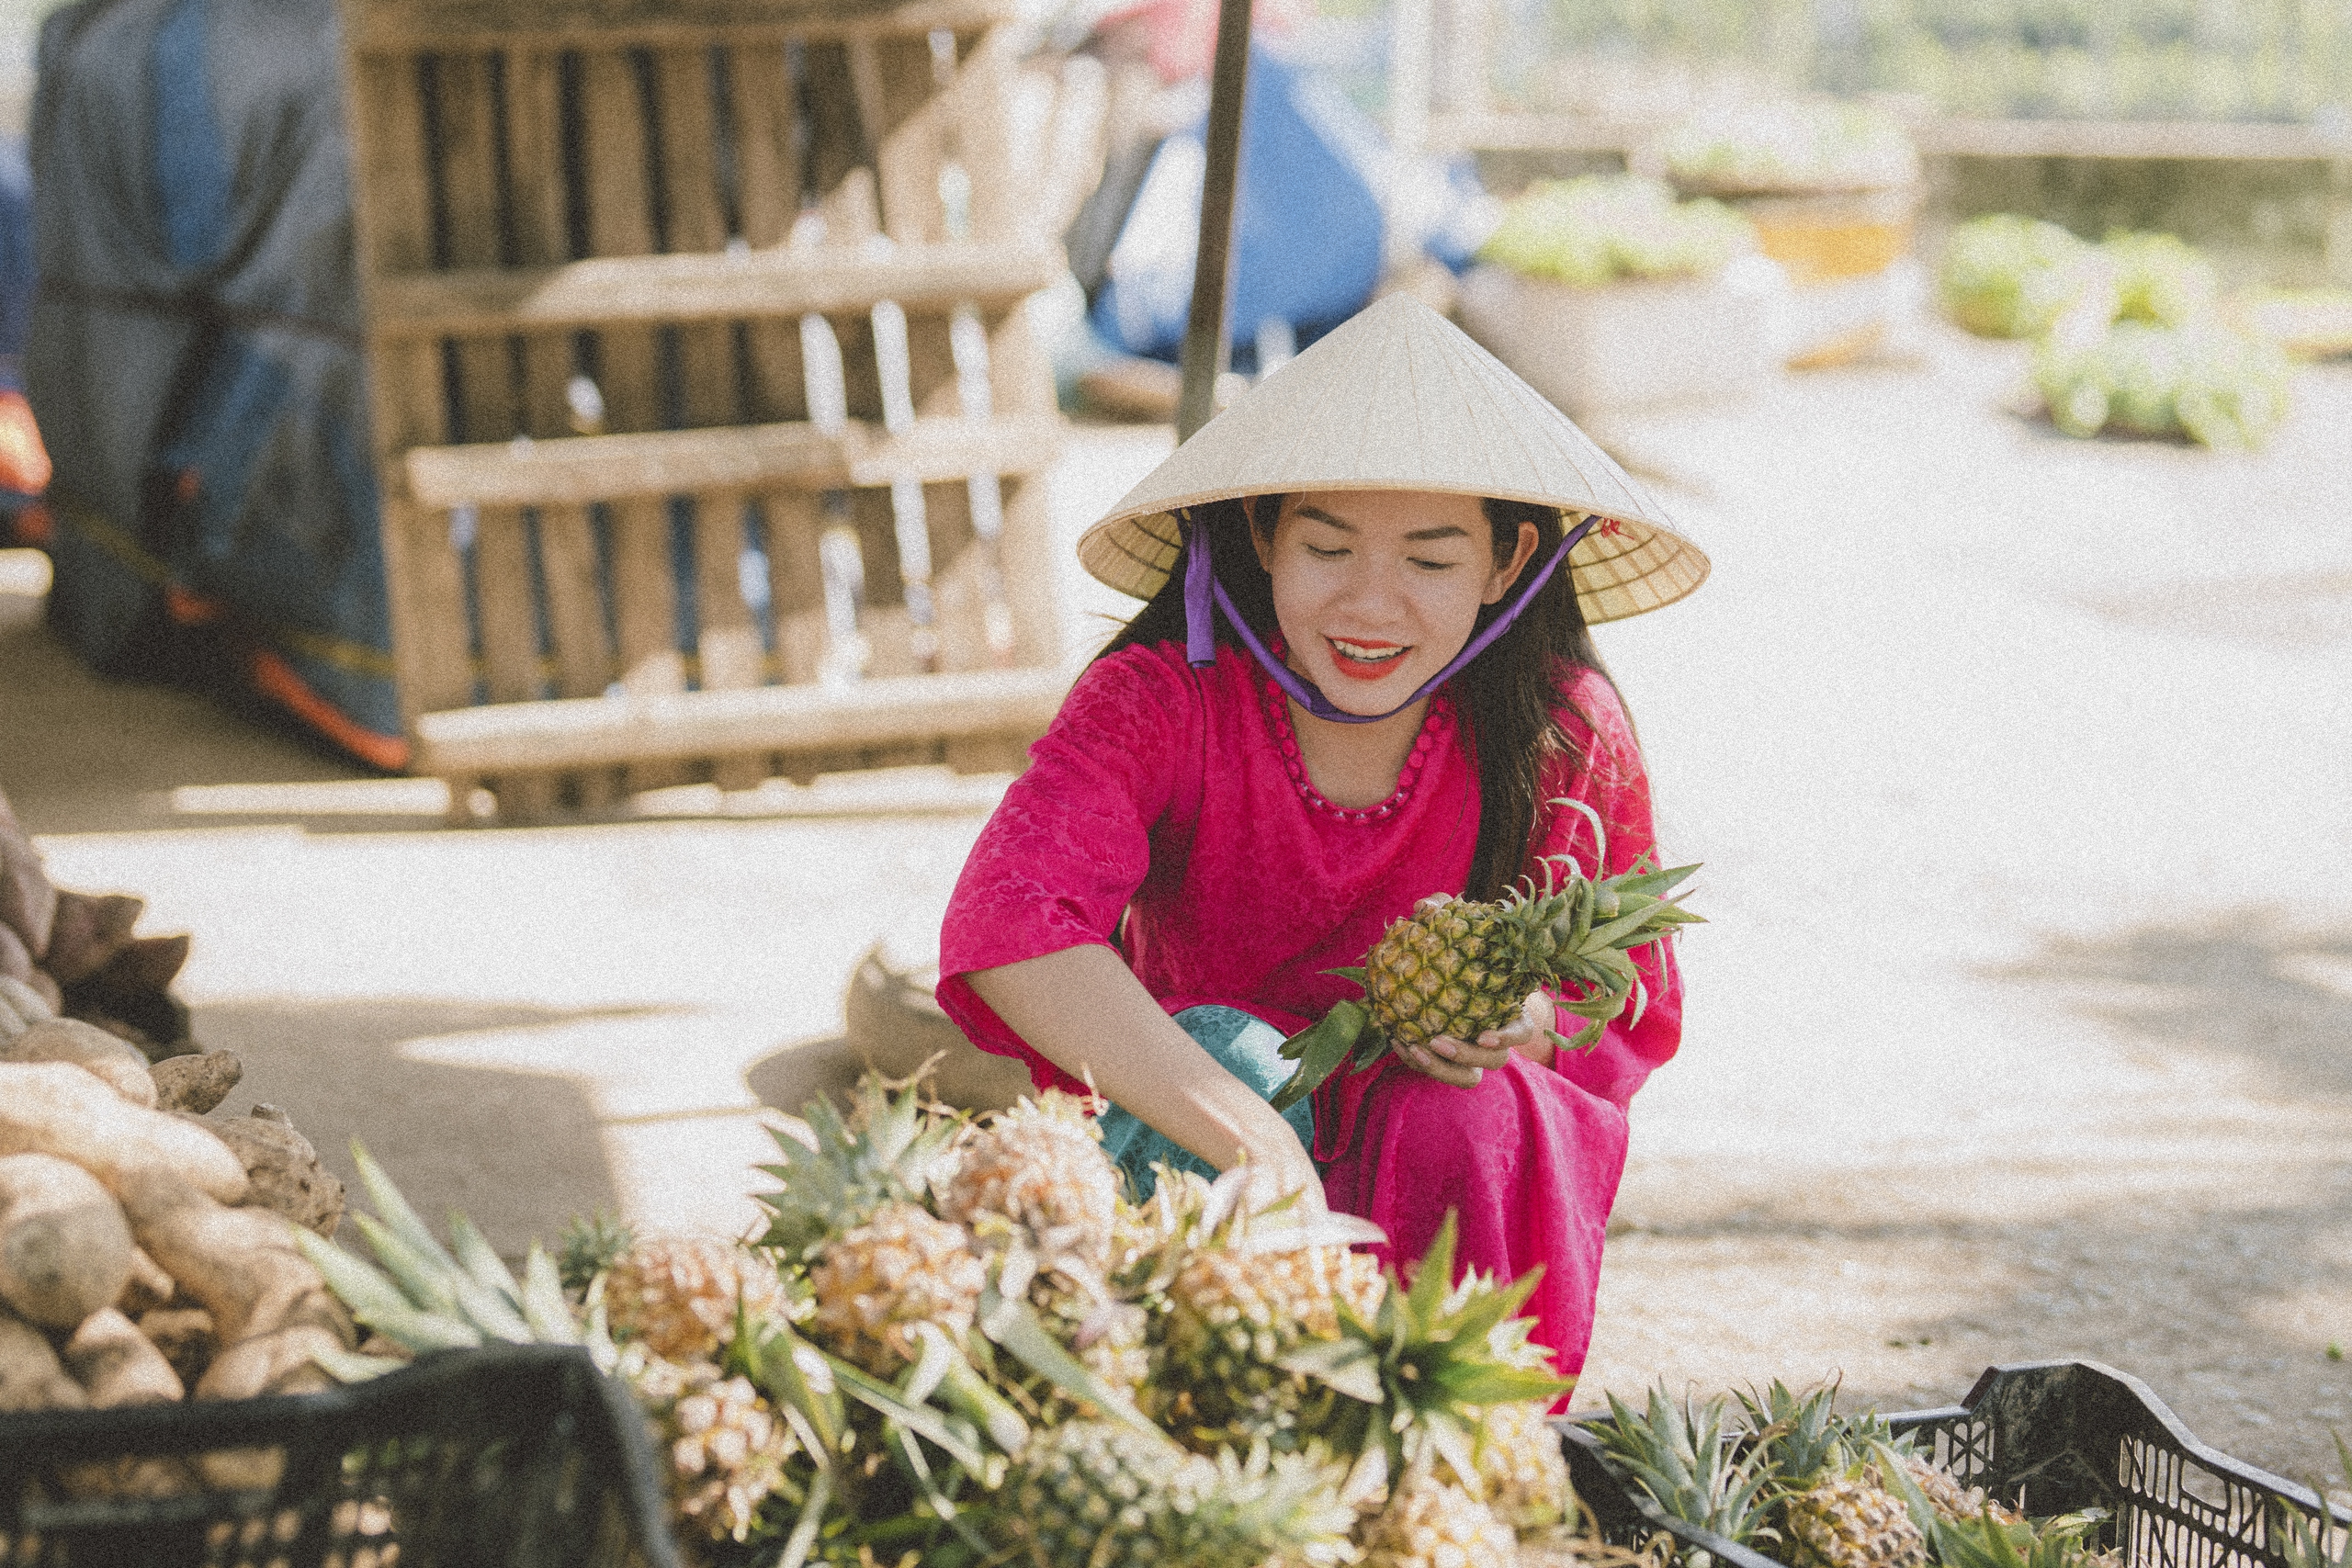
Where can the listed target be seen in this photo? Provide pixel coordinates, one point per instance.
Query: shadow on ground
(2225, 1307)
(82, 753)
(2300, 610)
(519, 1152)
(2244, 986)
(2207, 1252)
(789, 1077)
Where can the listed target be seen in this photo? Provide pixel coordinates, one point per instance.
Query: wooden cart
(694, 328)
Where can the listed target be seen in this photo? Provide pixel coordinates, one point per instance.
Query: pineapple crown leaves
(424, 1296)
(592, 1243)
(1433, 1353)
(1188, 1213)
(1013, 1325)
(1282, 1508)
(884, 1151)
(972, 1427)
(1681, 1458)
(1805, 1439)
(1989, 1541)
(2306, 1541)
(1571, 930)
(1582, 917)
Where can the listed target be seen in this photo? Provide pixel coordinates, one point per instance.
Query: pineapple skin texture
(1953, 1502)
(725, 1447)
(1043, 1166)
(1851, 1523)
(1450, 968)
(875, 1283)
(1519, 1463)
(1430, 1524)
(1231, 1317)
(1095, 1494)
(678, 1294)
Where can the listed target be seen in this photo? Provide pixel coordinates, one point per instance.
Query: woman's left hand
(1452, 1060)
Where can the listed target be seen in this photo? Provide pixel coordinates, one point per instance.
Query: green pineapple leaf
(1012, 1323)
(884, 1152)
(1433, 1275)
(379, 1303)
(349, 1366)
(1677, 1456)
(544, 1305)
(1319, 1049)
(480, 1260)
(799, 1378)
(1347, 1364)
(1431, 1352)
(2309, 1542)
(398, 1215)
(916, 1418)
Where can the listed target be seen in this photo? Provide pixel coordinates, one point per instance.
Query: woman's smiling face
(1375, 591)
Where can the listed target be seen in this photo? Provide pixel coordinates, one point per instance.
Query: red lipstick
(1357, 669)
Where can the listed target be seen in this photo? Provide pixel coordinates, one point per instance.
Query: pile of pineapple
(1787, 1475)
(958, 1343)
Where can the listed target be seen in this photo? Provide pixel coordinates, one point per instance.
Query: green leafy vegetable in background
(2010, 276)
(2217, 387)
(1602, 228)
(1788, 144)
(2161, 279)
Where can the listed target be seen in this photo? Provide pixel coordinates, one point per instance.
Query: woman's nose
(1372, 589)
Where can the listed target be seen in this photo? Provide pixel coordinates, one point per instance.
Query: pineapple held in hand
(1458, 969)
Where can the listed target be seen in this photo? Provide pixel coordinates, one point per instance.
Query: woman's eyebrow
(1419, 535)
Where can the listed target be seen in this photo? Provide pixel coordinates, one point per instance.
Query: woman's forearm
(1084, 1011)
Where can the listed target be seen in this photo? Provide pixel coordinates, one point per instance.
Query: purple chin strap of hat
(1201, 586)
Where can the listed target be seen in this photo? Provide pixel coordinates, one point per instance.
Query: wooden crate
(594, 239)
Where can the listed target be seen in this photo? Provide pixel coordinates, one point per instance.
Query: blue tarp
(1308, 222)
(195, 359)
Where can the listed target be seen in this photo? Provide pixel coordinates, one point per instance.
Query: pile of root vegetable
(147, 1250)
(958, 1342)
(78, 952)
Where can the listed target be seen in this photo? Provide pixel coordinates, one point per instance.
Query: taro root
(31, 1378)
(283, 1168)
(118, 1365)
(185, 1337)
(196, 1083)
(64, 1247)
(55, 1108)
(270, 1309)
(149, 1288)
(120, 1066)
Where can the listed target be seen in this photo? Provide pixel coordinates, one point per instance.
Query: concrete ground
(2019, 766)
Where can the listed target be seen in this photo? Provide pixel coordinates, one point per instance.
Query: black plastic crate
(2049, 1438)
(518, 1456)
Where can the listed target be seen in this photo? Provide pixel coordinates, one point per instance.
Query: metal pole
(1205, 333)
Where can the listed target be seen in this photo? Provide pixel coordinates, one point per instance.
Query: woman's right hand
(1449, 1060)
(1281, 1173)
(1084, 1010)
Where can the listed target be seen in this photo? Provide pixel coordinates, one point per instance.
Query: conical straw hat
(1399, 398)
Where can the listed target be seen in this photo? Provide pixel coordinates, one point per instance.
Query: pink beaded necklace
(1435, 724)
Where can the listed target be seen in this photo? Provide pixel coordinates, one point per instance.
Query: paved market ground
(2020, 767)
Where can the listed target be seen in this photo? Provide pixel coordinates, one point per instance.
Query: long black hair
(1509, 697)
